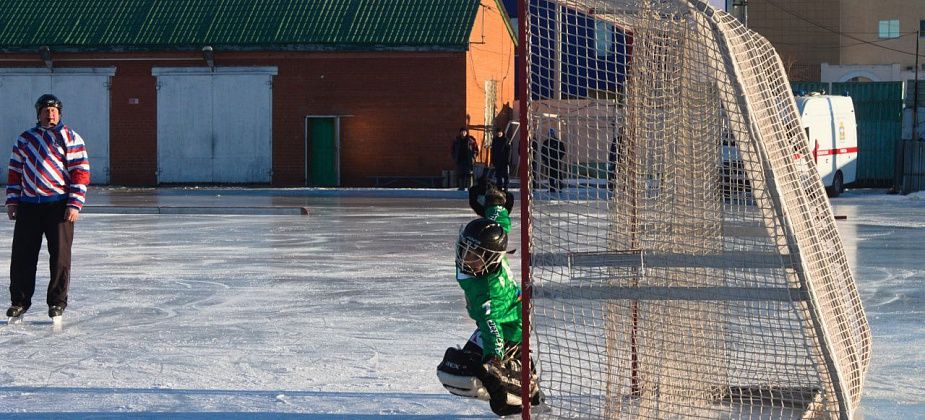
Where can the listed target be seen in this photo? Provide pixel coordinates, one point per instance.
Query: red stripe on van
(839, 151)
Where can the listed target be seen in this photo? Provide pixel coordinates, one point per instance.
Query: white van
(830, 125)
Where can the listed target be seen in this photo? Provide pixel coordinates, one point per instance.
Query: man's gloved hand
(486, 194)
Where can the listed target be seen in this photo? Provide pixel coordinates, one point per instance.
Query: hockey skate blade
(13, 320)
(57, 322)
(542, 408)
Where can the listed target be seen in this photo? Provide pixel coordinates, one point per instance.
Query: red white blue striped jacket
(48, 164)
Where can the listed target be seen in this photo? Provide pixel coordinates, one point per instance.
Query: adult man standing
(501, 158)
(464, 151)
(553, 153)
(47, 183)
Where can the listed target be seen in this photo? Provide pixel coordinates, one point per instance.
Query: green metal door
(322, 151)
(878, 108)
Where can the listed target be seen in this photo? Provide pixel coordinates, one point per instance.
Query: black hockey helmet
(481, 245)
(46, 101)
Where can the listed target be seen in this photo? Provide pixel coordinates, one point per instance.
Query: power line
(813, 31)
(836, 47)
(844, 34)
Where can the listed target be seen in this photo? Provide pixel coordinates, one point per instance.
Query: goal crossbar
(638, 259)
(702, 294)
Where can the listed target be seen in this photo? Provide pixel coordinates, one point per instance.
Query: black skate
(15, 314)
(55, 313)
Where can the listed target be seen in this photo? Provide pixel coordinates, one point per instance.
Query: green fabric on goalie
(500, 292)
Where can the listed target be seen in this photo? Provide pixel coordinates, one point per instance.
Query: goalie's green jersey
(493, 300)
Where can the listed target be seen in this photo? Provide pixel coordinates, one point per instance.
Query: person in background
(553, 154)
(501, 158)
(612, 156)
(463, 152)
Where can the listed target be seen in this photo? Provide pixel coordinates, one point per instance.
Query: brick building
(843, 40)
(287, 93)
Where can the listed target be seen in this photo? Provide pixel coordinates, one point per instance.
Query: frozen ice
(343, 313)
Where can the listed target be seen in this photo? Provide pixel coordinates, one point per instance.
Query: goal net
(684, 259)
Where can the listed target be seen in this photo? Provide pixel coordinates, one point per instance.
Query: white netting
(684, 256)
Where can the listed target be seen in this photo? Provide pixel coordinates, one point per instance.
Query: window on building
(889, 28)
(922, 29)
(603, 38)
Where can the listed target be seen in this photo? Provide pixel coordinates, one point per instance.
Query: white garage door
(84, 92)
(214, 126)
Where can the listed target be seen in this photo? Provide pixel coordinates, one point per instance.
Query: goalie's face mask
(480, 247)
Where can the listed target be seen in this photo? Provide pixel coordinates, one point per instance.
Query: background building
(842, 40)
(304, 92)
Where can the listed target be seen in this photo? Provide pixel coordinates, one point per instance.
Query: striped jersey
(48, 164)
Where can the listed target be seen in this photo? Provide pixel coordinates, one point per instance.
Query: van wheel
(838, 186)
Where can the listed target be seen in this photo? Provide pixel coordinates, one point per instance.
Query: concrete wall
(874, 72)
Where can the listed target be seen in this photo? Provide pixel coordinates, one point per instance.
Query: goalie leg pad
(504, 385)
(463, 386)
(459, 373)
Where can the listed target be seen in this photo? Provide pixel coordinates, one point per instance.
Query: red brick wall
(133, 125)
(401, 109)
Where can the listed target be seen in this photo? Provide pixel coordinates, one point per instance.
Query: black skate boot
(15, 314)
(15, 311)
(55, 311)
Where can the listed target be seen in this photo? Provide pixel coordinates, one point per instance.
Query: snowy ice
(343, 313)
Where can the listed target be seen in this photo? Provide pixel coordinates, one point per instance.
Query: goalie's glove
(486, 194)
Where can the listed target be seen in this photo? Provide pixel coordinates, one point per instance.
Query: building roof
(151, 25)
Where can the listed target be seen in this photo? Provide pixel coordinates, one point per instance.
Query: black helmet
(480, 248)
(46, 101)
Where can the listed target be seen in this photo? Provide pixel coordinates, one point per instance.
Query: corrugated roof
(92, 25)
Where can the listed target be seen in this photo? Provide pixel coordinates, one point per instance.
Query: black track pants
(32, 222)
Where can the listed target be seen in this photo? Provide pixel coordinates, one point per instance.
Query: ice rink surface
(343, 313)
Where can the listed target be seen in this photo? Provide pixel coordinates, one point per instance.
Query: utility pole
(900, 171)
(915, 90)
(739, 9)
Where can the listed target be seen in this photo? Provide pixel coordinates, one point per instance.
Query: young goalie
(488, 367)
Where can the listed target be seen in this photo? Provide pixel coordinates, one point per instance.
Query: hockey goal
(683, 257)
